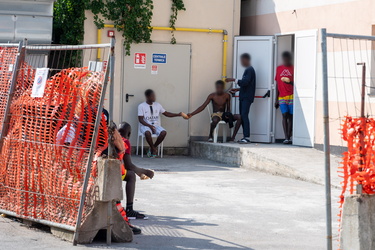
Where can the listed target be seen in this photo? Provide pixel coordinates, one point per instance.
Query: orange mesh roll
(45, 151)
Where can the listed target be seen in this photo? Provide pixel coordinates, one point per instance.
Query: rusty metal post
(362, 133)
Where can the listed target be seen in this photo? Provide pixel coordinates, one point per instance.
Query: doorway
(283, 43)
(265, 52)
(164, 68)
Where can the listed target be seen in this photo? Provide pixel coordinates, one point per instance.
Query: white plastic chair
(216, 131)
(142, 137)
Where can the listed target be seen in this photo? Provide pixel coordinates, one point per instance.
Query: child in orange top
(129, 171)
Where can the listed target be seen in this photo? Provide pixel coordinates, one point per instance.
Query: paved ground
(285, 160)
(200, 204)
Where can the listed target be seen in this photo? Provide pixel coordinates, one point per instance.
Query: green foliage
(131, 17)
(177, 5)
(68, 21)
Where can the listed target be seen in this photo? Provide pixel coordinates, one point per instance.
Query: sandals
(151, 155)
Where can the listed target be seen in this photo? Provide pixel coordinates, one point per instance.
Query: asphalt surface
(200, 204)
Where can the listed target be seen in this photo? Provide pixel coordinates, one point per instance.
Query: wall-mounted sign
(111, 33)
(154, 69)
(159, 58)
(140, 60)
(40, 81)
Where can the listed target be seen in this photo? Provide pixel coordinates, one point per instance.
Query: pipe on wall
(219, 31)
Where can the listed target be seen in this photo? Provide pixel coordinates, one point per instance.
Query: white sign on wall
(40, 81)
(154, 69)
(140, 60)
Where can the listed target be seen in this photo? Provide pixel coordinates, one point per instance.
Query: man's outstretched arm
(170, 115)
(202, 107)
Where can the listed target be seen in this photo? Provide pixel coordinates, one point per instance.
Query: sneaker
(286, 142)
(135, 230)
(244, 141)
(210, 140)
(121, 210)
(134, 215)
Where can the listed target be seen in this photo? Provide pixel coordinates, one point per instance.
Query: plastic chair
(142, 137)
(216, 131)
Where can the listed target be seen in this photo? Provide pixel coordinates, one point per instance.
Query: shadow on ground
(166, 232)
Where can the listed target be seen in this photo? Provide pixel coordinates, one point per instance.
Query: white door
(304, 88)
(260, 49)
(164, 68)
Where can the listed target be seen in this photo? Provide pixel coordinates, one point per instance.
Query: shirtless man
(221, 106)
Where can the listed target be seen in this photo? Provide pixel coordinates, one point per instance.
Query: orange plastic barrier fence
(358, 162)
(41, 172)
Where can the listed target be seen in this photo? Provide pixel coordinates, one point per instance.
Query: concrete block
(109, 181)
(358, 223)
(97, 220)
(62, 234)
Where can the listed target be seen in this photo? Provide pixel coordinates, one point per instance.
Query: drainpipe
(220, 31)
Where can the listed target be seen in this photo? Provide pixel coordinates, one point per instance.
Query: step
(306, 164)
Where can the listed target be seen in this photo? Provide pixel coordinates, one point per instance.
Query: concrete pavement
(201, 204)
(295, 162)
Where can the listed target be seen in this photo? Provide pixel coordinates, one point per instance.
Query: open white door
(261, 50)
(304, 88)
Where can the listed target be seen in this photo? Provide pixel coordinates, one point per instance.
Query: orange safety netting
(358, 162)
(42, 177)
(8, 57)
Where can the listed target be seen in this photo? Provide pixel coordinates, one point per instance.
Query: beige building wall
(206, 61)
(268, 17)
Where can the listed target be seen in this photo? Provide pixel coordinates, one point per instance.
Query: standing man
(284, 94)
(149, 119)
(247, 93)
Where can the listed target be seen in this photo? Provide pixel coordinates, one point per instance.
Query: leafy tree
(131, 17)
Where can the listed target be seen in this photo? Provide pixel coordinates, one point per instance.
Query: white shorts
(159, 129)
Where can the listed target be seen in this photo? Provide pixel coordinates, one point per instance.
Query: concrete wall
(267, 17)
(206, 48)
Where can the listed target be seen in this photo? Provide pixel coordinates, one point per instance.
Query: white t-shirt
(70, 134)
(151, 113)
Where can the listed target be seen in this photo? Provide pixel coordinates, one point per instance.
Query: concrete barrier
(358, 223)
(104, 213)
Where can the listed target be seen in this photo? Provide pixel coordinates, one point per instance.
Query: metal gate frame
(109, 78)
(327, 152)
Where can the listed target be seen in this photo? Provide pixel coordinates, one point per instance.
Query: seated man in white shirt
(149, 119)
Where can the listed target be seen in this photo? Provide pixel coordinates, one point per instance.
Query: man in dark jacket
(247, 93)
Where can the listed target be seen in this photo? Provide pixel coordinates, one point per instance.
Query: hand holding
(277, 104)
(233, 91)
(185, 116)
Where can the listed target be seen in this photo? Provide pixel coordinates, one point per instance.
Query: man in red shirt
(284, 94)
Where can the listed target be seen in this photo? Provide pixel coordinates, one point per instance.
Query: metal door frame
(235, 52)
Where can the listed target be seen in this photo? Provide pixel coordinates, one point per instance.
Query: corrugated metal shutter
(26, 19)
